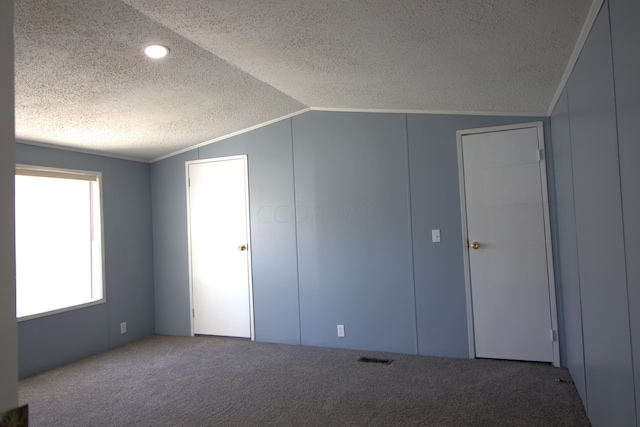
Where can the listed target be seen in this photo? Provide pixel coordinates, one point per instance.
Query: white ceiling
(82, 81)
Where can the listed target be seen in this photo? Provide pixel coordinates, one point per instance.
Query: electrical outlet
(123, 327)
(341, 331)
(435, 236)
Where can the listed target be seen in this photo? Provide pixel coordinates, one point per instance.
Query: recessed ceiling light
(156, 51)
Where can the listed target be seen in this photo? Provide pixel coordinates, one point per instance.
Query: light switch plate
(435, 235)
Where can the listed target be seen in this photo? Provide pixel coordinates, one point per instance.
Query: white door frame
(249, 246)
(547, 227)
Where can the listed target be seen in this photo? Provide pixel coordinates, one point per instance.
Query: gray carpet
(209, 381)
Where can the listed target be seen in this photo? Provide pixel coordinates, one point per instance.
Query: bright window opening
(58, 241)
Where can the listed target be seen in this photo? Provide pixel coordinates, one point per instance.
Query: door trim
(547, 228)
(249, 246)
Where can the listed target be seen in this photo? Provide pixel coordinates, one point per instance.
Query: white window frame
(40, 171)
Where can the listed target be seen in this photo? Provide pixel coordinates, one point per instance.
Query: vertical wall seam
(295, 226)
(412, 268)
(575, 221)
(622, 221)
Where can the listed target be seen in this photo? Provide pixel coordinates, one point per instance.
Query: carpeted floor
(210, 381)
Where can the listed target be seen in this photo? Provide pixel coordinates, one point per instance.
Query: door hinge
(193, 312)
(189, 182)
(552, 335)
(540, 154)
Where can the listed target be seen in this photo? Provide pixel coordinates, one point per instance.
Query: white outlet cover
(435, 235)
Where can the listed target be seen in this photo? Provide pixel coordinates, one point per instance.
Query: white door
(510, 284)
(219, 247)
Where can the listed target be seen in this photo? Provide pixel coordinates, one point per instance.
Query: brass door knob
(242, 247)
(475, 245)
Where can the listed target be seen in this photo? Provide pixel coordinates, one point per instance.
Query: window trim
(84, 175)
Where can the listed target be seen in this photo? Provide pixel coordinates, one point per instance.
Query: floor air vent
(375, 360)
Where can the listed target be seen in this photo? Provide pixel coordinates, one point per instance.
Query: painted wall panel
(435, 200)
(50, 341)
(128, 248)
(8, 327)
(566, 249)
(273, 238)
(354, 244)
(625, 34)
(605, 314)
(170, 247)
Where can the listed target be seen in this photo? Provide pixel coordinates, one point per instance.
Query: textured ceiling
(82, 82)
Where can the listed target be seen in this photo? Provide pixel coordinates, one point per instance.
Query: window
(58, 241)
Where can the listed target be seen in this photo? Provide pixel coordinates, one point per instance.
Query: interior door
(508, 259)
(219, 247)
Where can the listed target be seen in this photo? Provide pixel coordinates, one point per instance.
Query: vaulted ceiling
(82, 81)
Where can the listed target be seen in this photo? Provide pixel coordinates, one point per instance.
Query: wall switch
(341, 331)
(435, 236)
(123, 327)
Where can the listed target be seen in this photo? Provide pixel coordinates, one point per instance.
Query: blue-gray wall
(170, 248)
(54, 340)
(596, 155)
(342, 207)
(354, 233)
(435, 203)
(273, 241)
(8, 328)
(625, 34)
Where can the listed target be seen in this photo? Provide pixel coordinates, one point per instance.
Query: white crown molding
(460, 113)
(227, 136)
(55, 146)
